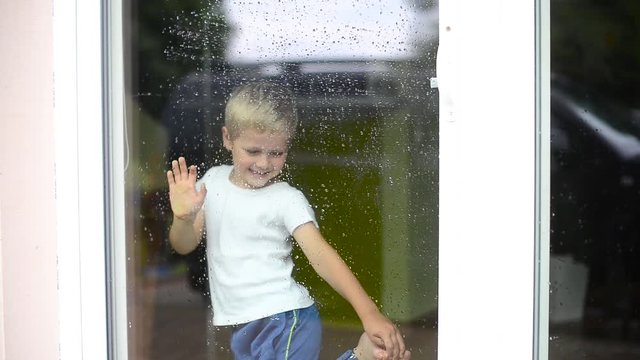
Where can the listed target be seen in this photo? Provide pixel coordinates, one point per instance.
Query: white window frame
(80, 197)
(493, 163)
(493, 71)
(87, 94)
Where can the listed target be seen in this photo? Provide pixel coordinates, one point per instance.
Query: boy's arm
(330, 266)
(186, 234)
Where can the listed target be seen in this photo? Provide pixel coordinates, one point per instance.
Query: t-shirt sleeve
(297, 211)
(205, 179)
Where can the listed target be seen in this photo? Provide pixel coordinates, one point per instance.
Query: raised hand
(384, 334)
(185, 200)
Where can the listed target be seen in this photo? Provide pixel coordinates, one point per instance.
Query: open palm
(185, 200)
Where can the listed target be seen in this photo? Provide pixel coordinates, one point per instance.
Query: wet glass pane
(365, 155)
(595, 180)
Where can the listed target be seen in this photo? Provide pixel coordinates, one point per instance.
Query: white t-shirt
(249, 248)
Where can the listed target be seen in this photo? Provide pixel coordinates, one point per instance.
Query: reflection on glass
(595, 180)
(365, 155)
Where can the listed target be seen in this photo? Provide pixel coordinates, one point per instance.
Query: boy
(250, 216)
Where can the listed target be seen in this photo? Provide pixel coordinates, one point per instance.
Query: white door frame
(494, 184)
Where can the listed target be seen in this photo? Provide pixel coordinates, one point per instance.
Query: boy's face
(258, 156)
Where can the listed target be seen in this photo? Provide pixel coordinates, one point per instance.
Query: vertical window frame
(476, 318)
(543, 179)
(79, 120)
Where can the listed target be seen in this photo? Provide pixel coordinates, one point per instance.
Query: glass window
(594, 304)
(365, 155)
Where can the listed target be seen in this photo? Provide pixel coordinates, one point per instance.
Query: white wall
(27, 182)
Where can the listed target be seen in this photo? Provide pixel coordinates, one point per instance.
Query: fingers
(385, 342)
(378, 341)
(400, 341)
(176, 170)
(193, 173)
(184, 174)
(375, 346)
(391, 345)
(380, 354)
(180, 172)
(170, 179)
(394, 344)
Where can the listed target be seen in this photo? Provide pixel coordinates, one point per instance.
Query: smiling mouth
(260, 173)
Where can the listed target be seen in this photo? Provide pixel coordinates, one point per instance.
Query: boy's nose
(263, 162)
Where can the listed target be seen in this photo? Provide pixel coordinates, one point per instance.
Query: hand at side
(384, 334)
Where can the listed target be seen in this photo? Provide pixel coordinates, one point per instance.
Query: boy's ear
(226, 139)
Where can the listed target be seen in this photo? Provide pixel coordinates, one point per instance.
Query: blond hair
(262, 106)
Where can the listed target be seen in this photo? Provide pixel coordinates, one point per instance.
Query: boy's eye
(276, 153)
(253, 152)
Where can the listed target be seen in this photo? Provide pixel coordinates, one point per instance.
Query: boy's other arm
(186, 204)
(330, 266)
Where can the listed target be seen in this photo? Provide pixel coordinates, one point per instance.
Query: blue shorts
(294, 334)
